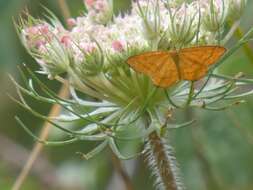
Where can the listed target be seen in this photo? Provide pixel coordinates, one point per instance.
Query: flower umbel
(93, 55)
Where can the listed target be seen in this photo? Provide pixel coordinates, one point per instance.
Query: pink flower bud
(66, 41)
(100, 5)
(71, 22)
(117, 45)
(39, 43)
(44, 30)
(34, 30)
(89, 3)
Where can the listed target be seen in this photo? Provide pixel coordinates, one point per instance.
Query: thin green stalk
(246, 47)
(191, 94)
(55, 110)
(38, 146)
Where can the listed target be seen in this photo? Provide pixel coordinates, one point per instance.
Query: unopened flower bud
(183, 26)
(89, 3)
(36, 36)
(44, 29)
(66, 40)
(71, 22)
(117, 46)
(33, 30)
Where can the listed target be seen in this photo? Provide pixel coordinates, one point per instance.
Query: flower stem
(125, 177)
(162, 163)
(64, 93)
(64, 9)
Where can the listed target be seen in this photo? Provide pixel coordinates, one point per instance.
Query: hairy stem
(162, 163)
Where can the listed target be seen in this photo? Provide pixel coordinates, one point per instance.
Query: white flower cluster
(94, 49)
(150, 25)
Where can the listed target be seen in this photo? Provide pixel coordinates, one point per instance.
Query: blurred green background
(215, 154)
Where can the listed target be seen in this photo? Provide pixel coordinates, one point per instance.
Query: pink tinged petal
(117, 45)
(59, 29)
(100, 5)
(89, 3)
(77, 30)
(87, 47)
(42, 49)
